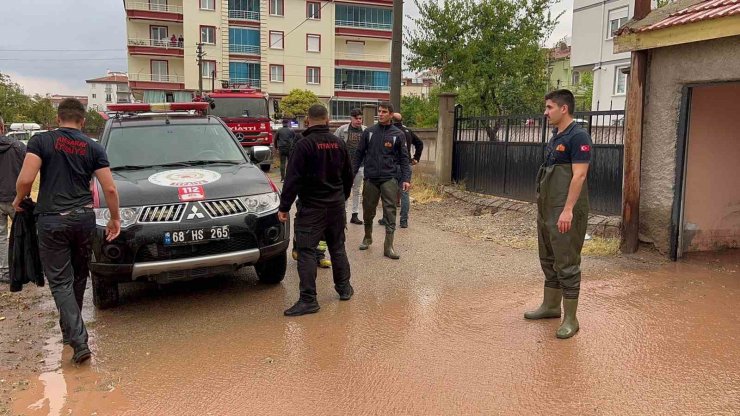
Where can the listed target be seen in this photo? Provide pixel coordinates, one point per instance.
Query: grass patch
(424, 192)
(599, 246)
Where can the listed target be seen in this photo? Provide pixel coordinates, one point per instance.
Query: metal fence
(500, 155)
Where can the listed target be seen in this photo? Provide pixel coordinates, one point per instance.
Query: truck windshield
(240, 107)
(158, 145)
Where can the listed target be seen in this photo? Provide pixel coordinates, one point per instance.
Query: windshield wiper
(202, 162)
(130, 167)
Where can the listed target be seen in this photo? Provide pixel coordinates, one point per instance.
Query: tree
(14, 104)
(42, 111)
(297, 102)
(584, 91)
(421, 111)
(94, 122)
(490, 51)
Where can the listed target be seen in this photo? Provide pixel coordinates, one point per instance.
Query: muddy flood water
(439, 332)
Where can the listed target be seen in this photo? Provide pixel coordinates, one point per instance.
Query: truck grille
(162, 213)
(157, 252)
(224, 207)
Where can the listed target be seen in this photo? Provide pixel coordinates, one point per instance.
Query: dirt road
(438, 332)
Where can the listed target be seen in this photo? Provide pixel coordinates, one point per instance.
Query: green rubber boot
(368, 239)
(388, 247)
(569, 327)
(550, 307)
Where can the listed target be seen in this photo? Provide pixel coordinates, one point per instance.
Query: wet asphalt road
(438, 332)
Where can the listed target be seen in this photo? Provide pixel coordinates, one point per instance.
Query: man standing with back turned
(12, 152)
(383, 151)
(320, 175)
(67, 160)
(562, 212)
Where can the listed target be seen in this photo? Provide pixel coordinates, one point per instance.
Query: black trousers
(65, 247)
(310, 225)
(283, 164)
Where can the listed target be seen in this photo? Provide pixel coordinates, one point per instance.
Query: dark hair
(317, 112)
(71, 109)
(561, 98)
(387, 105)
(355, 112)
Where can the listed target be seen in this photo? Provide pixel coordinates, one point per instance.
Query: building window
(208, 34)
(340, 109)
(363, 17)
(277, 40)
(277, 73)
(576, 78)
(617, 19)
(159, 71)
(108, 98)
(209, 69)
(355, 47)
(94, 96)
(313, 10)
(277, 7)
(245, 73)
(620, 81)
(361, 79)
(313, 43)
(242, 40)
(208, 4)
(313, 75)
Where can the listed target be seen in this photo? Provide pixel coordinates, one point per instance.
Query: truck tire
(272, 271)
(105, 295)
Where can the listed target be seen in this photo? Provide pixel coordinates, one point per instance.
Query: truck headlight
(128, 216)
(262, 203)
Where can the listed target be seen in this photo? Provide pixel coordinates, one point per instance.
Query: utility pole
(396, 54)
(199, 56)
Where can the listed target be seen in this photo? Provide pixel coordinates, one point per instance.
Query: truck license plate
(196, 235)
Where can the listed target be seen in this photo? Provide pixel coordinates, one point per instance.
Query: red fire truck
(245, 111)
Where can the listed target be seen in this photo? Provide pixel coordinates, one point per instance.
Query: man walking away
(411, 139)
(320, 175)
(67, 160)
(12, 152)
(562, 212)
(351, 134)
(383, 151)
(284, 142)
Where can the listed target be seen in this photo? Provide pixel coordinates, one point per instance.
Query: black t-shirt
(68, 161)
(573, 145)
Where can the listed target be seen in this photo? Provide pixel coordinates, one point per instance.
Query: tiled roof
(705, 10)
(117, 79)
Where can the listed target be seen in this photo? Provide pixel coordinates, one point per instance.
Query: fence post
(445, 138)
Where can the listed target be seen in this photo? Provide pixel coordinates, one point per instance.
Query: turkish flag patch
(560, 148)
(585, 148)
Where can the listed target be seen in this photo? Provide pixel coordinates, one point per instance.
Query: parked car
(193, 204)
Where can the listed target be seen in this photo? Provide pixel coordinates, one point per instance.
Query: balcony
(147, 11)
(157, 81)
(362, 29)
(244, 49)
(245, 82)
(247, 15)
(362, 24)
(363, 60)
(155, 47)
(363, 87)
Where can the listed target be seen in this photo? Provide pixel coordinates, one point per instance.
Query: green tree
(94, 123)
(42, 111)
(490, 51)
(14, 104)
(421, 111)
(297, 102)
(585, 91)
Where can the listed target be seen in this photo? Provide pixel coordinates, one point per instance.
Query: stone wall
(670, 69)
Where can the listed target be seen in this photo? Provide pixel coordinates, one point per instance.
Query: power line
(299, 25)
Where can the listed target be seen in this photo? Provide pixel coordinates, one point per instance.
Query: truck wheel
(266, 168)
(105, 295)
(272, 271)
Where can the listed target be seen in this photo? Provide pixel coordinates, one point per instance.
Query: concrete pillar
(368, 114)
(443, 164)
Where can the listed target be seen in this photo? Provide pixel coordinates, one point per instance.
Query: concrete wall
(711, 203)
(670, 69)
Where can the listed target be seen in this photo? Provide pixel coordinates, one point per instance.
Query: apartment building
(594, 25)
(111, 89)
(338, 50)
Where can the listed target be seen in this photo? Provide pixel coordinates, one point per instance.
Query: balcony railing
(177, 79)
(364, 87)
(252, 82)
(156, 43)
(247, 49)
(363, 25)
(244, 15)
(362, 57)
(144, 5)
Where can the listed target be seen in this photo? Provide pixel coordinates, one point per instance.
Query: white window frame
(316, 72)
(274, 10)
(621, 15)
(207, 3)
(308, 43)
(208, 68)
(310, 16)
(575, 78)
(281, 72)
(275, 45)
(213, 42)
(617, 74)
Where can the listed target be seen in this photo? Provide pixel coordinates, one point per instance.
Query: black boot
(82, 354)
(346, 292)
(388, 247)
(302, 308)
(356, 219)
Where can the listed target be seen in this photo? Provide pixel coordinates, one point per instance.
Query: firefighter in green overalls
(562, 212)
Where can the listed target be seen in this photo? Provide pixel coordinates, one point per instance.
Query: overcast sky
(53, 46)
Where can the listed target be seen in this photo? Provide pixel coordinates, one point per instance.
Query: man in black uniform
(562, 212)
(12, 152)
(67, 160)
(320, 175)
(285, 137)
(411, 139)
(383, 151)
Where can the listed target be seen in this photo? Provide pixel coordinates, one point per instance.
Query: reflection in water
(55, 387)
